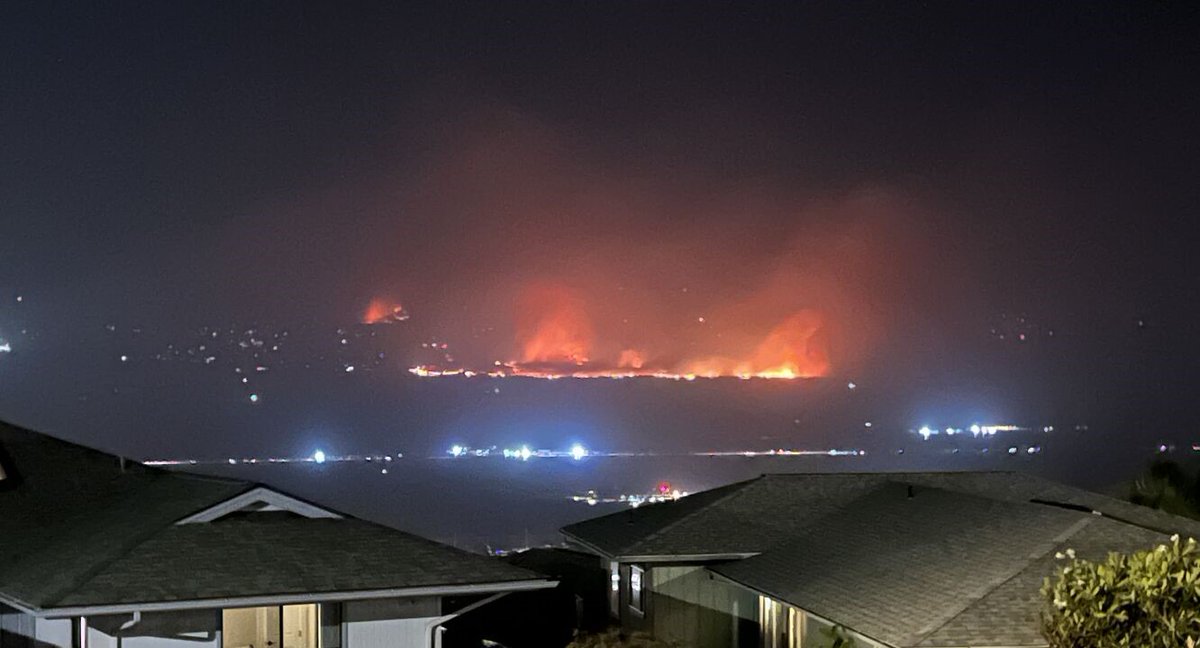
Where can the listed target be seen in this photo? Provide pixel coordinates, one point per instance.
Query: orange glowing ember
(383, 311)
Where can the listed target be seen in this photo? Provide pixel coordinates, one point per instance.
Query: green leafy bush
(1146, 599)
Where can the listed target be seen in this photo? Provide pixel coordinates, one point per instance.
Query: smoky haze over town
(243, 231)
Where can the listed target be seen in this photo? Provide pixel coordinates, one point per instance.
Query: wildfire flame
(553, 326)
(383, 311)
(556, 339)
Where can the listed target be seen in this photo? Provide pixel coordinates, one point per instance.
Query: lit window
(635, 588)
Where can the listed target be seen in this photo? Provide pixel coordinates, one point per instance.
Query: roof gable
(260, 499)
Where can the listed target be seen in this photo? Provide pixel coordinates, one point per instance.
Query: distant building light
(926, 432)
(525, 453)
(975, 429)
(578, 452)
(457, 450)
(319, 456)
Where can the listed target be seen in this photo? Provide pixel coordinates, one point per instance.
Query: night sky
(988, 206)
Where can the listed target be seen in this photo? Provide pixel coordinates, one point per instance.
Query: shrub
(1145, 599)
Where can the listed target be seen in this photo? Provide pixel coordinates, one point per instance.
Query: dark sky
(930, 176)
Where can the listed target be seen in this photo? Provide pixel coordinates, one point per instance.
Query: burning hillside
(580, 265)
(556, 338)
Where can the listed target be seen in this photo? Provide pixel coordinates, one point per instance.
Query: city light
(319, 456)
(578, 452)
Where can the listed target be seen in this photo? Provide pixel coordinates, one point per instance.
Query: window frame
(637, 589)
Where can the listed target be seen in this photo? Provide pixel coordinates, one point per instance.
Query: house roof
(925, 570)
(80, 527)
(908, 559)
(752, 516)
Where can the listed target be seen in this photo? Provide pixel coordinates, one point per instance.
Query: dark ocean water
(185, 411)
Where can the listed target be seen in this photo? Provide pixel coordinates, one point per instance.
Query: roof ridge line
(689, 516)
(1059, 539)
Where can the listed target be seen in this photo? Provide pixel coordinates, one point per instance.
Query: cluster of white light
(523, 453)
(5, 347)
(633, 501)
(577, 452)
(976, 430)
(318, 456)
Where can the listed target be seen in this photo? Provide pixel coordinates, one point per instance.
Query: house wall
(54, 632)
(787, 626)
(691, 608)
(17, 629)
(389, 623)
(383, 623)
(177, 629)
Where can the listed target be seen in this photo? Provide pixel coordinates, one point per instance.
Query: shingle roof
(910, 559)
(279, 554)
(78, 526)
(755, 515)
(895, 568)
(1009, 614)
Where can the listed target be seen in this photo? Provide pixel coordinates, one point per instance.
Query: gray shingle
(280, 553)
(895, 568)
(960, 563)
(79, 528)
(1009, 614)
(755, 515)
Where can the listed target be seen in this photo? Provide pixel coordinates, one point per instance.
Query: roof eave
(586, 544)
(691, 558)
(291, 599)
